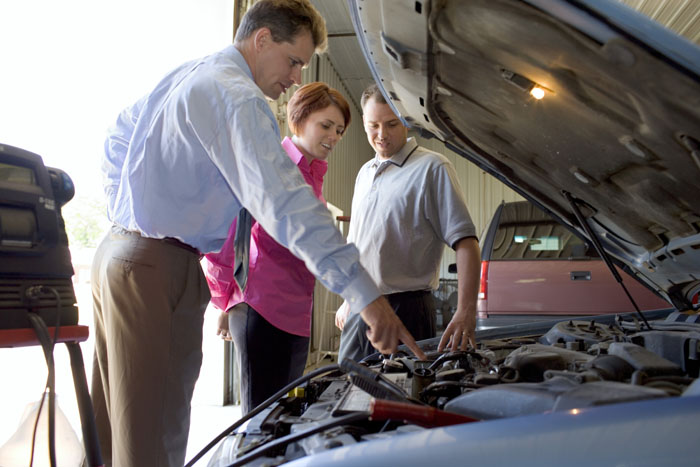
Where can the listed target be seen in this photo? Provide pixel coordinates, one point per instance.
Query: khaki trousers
(149, 301)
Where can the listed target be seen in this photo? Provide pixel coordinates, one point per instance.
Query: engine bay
(576, 364)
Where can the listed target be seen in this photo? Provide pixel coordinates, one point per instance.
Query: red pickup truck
(533, 267)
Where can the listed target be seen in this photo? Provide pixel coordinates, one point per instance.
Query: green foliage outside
(86, 221)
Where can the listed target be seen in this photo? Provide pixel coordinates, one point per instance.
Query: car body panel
(531, 287)
(533, 265)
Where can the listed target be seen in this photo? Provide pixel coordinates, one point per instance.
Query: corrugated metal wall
(680, 16)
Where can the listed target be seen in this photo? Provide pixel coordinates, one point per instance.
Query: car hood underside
(617, 128)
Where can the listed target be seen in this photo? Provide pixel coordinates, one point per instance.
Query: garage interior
(343, 67)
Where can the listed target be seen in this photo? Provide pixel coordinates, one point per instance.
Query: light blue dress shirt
(183, 160)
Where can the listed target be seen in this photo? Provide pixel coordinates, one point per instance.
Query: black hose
(290, 438)
(42, 331)
(302, 379)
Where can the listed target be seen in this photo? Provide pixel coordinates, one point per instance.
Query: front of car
(592, 112)
(603, 392)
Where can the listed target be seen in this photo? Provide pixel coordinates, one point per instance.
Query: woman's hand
(222, 327)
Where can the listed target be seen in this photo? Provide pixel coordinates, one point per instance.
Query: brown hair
(372, 92)
(285, 19)
(311, 98)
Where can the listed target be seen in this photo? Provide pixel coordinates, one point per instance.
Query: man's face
(279, 64)
(385, 132)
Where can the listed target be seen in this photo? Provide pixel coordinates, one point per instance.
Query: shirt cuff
(360, 292)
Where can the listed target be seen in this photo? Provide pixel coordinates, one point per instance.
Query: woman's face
(320, 132)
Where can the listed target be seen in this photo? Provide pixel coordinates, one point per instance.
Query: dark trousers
(268, 357)
(416, 309)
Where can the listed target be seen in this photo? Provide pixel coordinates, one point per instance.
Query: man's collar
(401, 156)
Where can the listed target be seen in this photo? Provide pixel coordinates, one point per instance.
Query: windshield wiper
(603, 254)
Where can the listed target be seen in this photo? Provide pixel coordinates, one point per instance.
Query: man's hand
(342, 315)
(460, 331)
(386, 329)
(222, 327)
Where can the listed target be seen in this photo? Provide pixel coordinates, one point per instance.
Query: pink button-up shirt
(279, 286)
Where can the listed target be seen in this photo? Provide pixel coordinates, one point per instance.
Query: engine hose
(278, 443)
(302, 379)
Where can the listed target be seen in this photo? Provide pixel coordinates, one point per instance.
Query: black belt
(409, 294)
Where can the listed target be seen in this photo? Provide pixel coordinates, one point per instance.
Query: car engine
(575, 364)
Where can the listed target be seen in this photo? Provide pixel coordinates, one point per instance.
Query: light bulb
(537, 92)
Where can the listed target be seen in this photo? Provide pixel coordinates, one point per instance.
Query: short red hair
(311, 98)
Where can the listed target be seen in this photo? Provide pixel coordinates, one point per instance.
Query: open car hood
(617, 131)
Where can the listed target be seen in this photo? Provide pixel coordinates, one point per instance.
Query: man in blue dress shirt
(179, 164)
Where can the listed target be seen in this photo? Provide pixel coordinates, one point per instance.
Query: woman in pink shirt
(270, 321)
